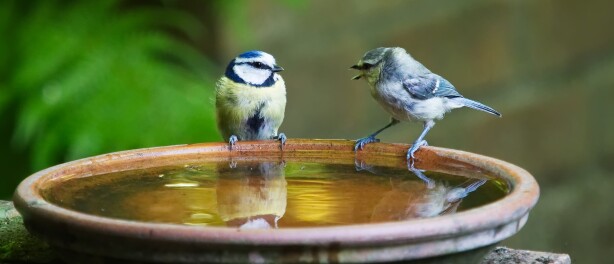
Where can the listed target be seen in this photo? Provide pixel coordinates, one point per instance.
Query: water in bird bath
(265, 194)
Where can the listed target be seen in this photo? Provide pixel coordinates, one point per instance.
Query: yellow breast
(236, 102)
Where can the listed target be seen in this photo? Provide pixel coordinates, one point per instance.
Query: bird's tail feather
(477, 105)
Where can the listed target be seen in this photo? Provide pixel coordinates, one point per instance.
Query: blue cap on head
(250, 54)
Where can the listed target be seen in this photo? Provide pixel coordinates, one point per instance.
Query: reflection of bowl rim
(411, 239)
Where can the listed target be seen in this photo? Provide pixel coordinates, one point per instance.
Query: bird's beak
(356, 67)
(277, 68)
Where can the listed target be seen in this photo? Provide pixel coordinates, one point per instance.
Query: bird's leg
(420, 141)
(232, 140)
(282, 138)
(430, 183)
(360, 143)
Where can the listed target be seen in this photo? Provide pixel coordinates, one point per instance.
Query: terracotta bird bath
(387, 232)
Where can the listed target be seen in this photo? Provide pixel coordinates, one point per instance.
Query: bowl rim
(513, 207)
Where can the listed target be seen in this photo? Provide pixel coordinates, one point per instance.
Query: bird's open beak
(356, 67)
(277, 68)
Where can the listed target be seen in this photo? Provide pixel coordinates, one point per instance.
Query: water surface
(272, 194)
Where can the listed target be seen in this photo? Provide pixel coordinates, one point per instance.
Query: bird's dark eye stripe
(367, 65)
(256, 64)
(363, 66)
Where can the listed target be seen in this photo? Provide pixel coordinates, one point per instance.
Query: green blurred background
(80, 78)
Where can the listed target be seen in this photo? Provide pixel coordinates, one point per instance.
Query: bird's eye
(258, 64)
(367, 65)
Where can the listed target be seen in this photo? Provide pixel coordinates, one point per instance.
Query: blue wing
(428, 86)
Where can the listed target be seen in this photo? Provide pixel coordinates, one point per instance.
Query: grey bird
(408, 91)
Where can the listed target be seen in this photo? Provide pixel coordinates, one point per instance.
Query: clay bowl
(81, 238)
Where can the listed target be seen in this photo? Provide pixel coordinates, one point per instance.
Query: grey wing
(428, 86)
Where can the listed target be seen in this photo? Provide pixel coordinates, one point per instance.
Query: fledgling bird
(409, 92)
(250, 99)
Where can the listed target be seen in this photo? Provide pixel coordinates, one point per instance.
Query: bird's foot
(413, 149)
(430, 183)
(360, 143)
(232, 141)
(282, 138)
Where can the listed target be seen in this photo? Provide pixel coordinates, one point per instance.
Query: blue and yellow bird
(251, 99)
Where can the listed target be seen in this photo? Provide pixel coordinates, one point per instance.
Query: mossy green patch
(16, 244)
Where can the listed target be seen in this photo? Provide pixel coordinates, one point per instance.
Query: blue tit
(408, 91)
(250, 99)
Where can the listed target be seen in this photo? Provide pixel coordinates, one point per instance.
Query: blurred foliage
(88, 77)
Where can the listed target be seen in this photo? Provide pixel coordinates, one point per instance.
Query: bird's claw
(360, 143)
(232, 141)
(412, 150)
(282, 138)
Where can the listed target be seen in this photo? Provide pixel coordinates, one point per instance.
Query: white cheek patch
(250, 74)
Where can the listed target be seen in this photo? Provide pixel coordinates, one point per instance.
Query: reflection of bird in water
(421, 201)
(252, 195)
